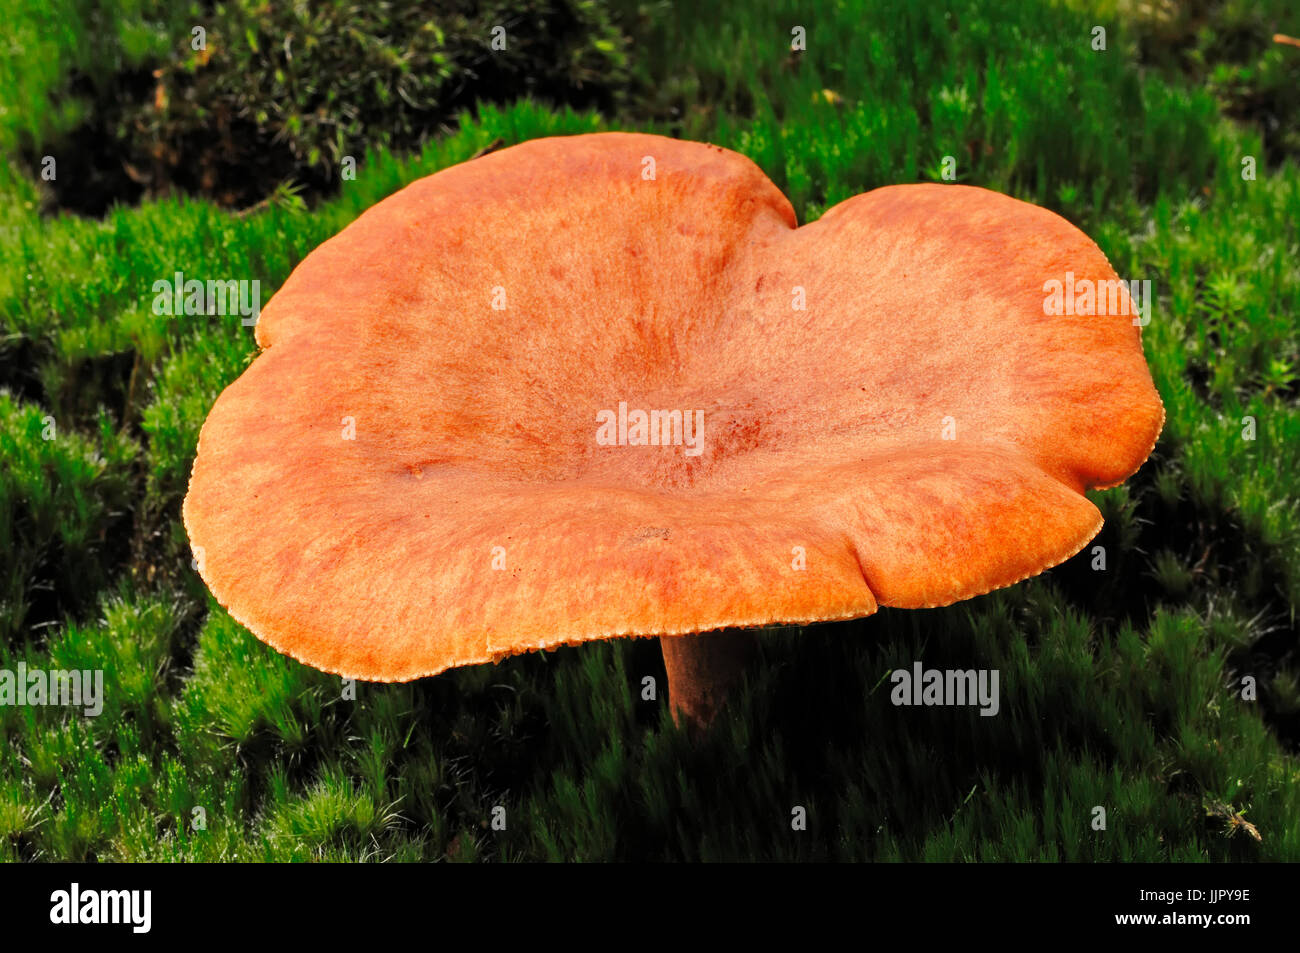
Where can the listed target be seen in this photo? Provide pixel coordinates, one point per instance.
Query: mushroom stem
(702, 670)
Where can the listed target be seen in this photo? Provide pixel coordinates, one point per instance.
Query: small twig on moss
(286, 196)
(492, 146)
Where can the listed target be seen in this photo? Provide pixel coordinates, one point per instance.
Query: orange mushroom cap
(475, 325)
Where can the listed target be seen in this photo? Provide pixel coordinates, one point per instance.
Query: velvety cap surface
(435, 460)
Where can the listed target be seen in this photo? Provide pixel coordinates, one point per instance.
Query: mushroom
(461, 438)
